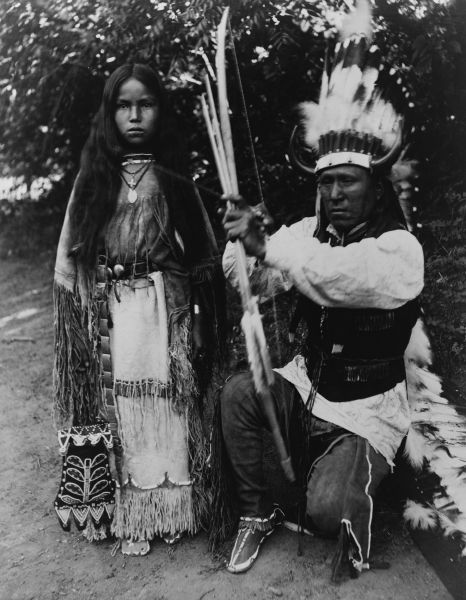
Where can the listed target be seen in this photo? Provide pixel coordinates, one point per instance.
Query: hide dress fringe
(154, 384)
(161, 468)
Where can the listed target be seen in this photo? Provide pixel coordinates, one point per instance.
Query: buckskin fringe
(198, 468)
(141, 514)
(139, 389)
(197, 449)
(133, 414)
(224, 517)
(204, 271)
(182, 376)
(77, 389)
(94, 533)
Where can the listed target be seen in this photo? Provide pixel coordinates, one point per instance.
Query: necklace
(137, 159)
(135, 172)
(133, 183)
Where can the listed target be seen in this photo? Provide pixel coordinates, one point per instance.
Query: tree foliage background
(56, 54)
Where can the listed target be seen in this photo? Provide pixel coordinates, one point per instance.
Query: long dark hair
(98, 181)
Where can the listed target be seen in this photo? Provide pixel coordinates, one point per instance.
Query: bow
(220, 136)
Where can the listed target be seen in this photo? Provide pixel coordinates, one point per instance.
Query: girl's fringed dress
(134, 316)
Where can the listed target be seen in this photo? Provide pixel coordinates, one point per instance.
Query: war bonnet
(354, 121)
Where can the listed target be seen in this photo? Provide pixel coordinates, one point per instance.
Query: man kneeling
(358, 272)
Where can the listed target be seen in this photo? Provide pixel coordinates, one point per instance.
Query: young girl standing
(135, 292)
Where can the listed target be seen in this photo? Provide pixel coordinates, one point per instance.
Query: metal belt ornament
(219, 130)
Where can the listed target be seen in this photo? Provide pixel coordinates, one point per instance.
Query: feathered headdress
(354, 122)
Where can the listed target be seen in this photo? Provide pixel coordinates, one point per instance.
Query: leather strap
(131, 270)
(106, 363)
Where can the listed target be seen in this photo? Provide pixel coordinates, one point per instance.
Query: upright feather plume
(352, 115)
(358, 21)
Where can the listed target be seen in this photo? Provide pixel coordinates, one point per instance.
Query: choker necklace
(133, 183)
(137, 159)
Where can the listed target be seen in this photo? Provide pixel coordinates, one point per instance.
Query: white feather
(415, 448)
(448, 527)
(418, 516)
(419, 349)
(358, 21)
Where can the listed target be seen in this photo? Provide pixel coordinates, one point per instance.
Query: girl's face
(136, 114)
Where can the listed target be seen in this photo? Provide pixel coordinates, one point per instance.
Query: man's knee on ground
(324, 510)
(331, 478)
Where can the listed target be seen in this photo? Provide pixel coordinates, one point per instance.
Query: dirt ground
(40, 561)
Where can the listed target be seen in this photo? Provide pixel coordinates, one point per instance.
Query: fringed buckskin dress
(141, 377)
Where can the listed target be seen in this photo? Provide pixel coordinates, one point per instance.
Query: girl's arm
(76, 370)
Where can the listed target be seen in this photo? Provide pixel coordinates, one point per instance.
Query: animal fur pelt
(436, 444)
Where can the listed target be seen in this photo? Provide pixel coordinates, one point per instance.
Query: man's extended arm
(384, 272)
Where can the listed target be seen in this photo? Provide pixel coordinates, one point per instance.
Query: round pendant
(132, 196)
(118, 270)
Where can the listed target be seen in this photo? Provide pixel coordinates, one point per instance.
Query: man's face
(348, 196)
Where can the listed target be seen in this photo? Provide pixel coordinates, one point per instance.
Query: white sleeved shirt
(384, 272)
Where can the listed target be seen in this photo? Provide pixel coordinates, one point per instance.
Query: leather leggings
(343, 471)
